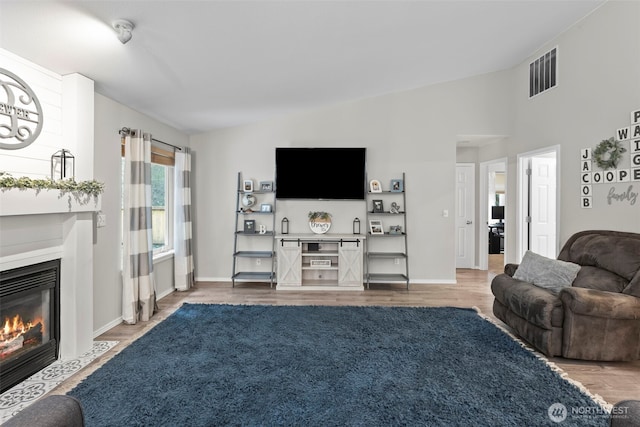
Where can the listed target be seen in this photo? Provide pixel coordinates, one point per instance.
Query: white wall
(598, 87)
(110, 117)
(412, 132)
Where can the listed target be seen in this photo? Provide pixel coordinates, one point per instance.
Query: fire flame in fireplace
(14, 327)
(16, 334)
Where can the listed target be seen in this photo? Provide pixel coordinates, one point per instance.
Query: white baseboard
(213, 279)
(411, 282)
(165, 293)
(106, 327)
(119, 320)
(432, 282)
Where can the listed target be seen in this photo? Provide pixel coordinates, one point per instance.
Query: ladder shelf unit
(253, 236)
(387, 254)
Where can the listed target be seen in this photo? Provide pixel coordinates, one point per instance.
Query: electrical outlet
(258, 261)
(396, 261)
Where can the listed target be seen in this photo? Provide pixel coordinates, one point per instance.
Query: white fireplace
(47, 225)
(38, 226)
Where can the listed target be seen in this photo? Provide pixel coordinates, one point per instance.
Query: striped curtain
(183, 255)
(138, 299)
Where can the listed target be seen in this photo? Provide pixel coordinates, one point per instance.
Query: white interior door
(543, 206)
(465, 214)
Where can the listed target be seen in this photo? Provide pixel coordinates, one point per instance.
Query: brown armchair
(597, 317)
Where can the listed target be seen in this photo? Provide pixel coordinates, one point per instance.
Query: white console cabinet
(320, 262)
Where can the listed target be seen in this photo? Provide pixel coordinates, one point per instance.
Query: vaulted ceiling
(202, 65)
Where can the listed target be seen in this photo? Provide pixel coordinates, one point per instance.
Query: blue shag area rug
(218, 365)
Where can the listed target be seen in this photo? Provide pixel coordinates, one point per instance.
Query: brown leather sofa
(597, 317)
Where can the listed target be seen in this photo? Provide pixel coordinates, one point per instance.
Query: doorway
(537, 217)
(493, 209)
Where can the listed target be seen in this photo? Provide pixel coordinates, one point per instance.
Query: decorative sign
(20, 112)
(605, 165)
(326, 263)
(628, 195)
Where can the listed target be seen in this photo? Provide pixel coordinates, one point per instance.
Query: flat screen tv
(497, 212)
(321, 173)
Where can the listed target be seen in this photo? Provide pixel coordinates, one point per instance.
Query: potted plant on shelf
(319, 221)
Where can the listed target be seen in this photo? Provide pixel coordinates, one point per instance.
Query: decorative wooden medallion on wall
(20, 112)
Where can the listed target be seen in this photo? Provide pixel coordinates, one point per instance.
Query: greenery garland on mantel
(91, 188)
(608, 153)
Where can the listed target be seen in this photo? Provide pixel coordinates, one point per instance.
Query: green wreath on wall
(608, 153)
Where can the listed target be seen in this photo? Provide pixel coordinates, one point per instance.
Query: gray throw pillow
(547, 273)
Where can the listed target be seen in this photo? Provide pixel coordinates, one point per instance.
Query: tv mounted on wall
(321, 173)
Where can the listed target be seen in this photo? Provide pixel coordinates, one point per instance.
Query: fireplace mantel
(16, 201)
(39, 225)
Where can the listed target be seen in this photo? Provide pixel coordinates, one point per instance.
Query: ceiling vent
(542, 73)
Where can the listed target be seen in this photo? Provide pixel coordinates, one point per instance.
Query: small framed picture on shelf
(266, 185)
(395, 229)
(375, 226)
(265, 207)
(249, 226)
(247, 186)
(374, 186)
(397, 186)
(378, 206)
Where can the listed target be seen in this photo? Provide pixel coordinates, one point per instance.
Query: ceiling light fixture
(123, 28)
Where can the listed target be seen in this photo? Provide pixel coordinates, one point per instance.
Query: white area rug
(33, 388)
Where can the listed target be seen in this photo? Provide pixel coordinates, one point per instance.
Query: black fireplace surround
(30, 321)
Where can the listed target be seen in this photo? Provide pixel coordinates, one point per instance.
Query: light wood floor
(612, 381)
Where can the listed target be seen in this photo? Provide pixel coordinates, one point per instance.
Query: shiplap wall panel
(34, 161)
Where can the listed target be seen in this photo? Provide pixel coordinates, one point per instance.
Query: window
(161, 182)
(161, 198)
